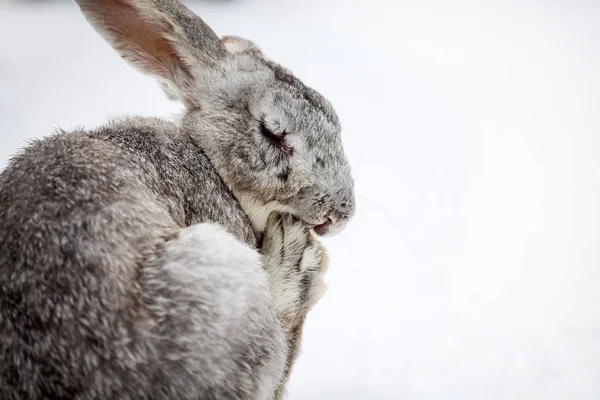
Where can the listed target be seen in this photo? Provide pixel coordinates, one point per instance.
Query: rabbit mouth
(329, 227)
(323, 228)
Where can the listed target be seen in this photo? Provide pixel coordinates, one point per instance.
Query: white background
(472, 269)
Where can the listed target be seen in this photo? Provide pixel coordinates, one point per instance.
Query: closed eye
(276, 139)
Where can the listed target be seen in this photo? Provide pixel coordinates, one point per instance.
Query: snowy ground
(472, 269)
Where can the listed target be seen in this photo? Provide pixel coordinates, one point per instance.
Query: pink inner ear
(236, 45)
(140, 40)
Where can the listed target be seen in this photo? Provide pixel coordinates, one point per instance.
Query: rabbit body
(141, 260)
(114, 297)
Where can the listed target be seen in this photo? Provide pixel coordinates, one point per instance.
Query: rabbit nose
(339, 216)
(345, 209)
(341, 213)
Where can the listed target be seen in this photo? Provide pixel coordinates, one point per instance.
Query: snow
(471, 270)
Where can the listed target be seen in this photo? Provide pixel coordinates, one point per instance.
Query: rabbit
(148, 259)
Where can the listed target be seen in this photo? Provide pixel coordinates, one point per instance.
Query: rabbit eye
(276, 139)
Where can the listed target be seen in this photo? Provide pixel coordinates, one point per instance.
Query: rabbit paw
(295, 262)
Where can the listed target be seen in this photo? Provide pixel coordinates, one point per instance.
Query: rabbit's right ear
(161, 38)
(236, 45)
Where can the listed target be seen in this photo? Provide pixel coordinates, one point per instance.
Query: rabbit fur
(152, 260)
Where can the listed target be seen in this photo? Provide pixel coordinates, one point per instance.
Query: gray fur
(131, 264)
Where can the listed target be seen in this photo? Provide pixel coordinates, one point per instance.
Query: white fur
(259, 212)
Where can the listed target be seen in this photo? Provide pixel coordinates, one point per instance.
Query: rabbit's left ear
(161, 38)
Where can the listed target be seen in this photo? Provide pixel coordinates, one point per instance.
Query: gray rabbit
(153, 260)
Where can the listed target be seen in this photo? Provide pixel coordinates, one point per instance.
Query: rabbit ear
(161, 38)
(236, 45)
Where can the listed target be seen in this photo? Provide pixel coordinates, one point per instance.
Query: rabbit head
(275, 142)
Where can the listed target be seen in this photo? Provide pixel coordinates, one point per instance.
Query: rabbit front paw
(295, 262)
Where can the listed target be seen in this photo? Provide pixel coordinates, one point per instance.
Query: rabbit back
(113, 281)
